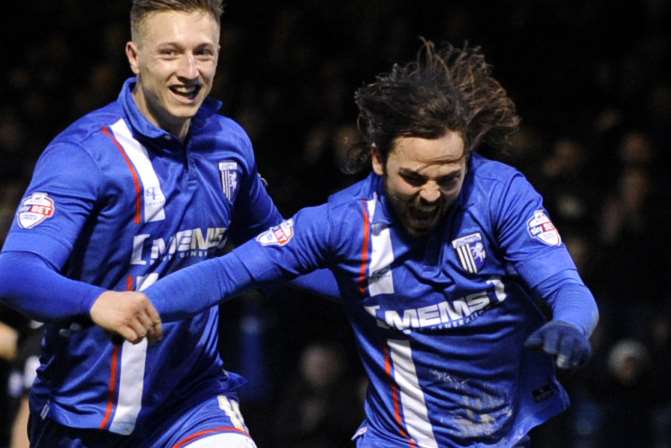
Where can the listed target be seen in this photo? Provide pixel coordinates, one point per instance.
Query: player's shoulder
(226, 130)
(345, 205)
(87, 133)
(491, 172)
(490, 182)
(90, 125)
(227, 126)
(221, 136)
(363, 190)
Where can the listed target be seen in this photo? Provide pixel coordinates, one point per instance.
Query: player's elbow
(19, 278)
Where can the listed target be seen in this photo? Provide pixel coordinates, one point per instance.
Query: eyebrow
(180, 45)
(409, 171)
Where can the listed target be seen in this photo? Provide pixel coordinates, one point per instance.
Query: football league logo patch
(35, 209)
(541, 228)
(229, 178)
(277, 235)
(471, 252)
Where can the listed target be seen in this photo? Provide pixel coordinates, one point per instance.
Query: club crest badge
(34, 210)
(541, 228)
(277, 235)
(228, 170)
(471, 252)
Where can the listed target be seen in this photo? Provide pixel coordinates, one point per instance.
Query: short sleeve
(61, 196)
(525, 234)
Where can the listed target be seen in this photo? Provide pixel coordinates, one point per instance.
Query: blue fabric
(321, 282)
(571, 300)
(45, 433)
(564, 341)
(54, 297)
(441, 321)
(209, 281)
(213, 415)
(95, 216)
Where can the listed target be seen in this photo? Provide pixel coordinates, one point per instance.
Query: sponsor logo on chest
(185, 243)
(449, 313)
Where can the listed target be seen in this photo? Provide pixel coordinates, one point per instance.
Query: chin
(417, 232)
(184, 112)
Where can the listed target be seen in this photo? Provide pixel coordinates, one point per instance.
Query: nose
(187, 67)
(430, 193)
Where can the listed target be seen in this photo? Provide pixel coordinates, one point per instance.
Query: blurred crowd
(591, 81)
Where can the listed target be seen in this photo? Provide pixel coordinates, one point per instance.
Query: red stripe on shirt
(364, 252)
(396, 399)
(208, 432)
(136, 178)
(112, 386)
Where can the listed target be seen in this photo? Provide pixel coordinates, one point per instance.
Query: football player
(447, 263)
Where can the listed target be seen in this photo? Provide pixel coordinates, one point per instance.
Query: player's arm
(321, 282)
(255, 212)
(63, 192)
(532, 244)
(30, 285)
(283, 252)
(574, 317)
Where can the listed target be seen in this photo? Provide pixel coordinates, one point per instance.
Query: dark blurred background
(592, 83)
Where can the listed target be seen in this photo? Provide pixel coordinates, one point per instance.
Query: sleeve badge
(541, 228)
(34, 210)
(277, 235)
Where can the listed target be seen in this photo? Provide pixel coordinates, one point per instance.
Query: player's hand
(129, 314)
(562, 340)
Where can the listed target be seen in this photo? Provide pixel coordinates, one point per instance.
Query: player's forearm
(191, 290)
(29, 285)
(574, 303)
(571, 301)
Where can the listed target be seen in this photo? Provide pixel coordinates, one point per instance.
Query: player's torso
(166, 205)
(440, 327)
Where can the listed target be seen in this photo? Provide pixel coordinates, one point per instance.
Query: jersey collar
(140, 124)
(383, 214)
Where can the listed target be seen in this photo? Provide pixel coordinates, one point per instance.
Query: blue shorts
(210, 423)
(366, 439)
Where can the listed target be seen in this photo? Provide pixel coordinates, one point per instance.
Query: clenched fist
(130, 314)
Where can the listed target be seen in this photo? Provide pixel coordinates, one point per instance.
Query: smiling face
(174, 56)
(422, 179)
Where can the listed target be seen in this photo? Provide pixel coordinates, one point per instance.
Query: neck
(178, 128)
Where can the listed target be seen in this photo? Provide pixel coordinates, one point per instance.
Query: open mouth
(423, 219)
(186, 92)
(423, 215)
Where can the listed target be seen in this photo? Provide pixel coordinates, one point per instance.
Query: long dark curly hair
(450, 89)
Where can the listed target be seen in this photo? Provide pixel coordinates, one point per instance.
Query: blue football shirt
(440, 321)
(117, 202)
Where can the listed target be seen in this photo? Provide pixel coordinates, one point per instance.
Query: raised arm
(293, 248)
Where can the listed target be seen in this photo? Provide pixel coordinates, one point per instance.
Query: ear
(376, 161)
(133, 55)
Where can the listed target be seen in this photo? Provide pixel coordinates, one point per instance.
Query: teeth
(185, 90)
